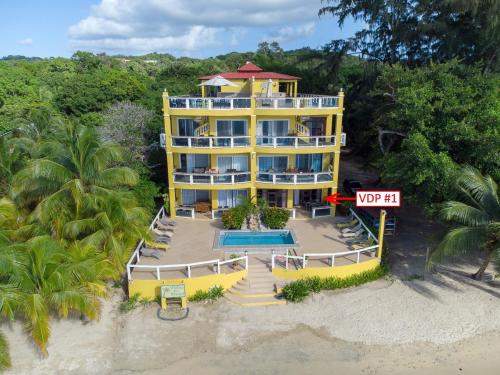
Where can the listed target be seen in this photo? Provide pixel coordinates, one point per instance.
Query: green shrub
(275, 217)
(199, 295)
(296, 291)
(233, 218)
(130, 304)
(213, 294)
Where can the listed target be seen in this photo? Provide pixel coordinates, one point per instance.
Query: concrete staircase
(257, 289)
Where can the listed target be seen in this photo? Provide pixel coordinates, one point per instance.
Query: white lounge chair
(163, 227)
(352, 234)
(166, 221)
(352, 229)
(163, 233)
(151, 253)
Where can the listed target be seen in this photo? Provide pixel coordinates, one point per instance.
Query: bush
(130, 304)
(233, 218)
(298, 290)
(213, 294)
(275, 217)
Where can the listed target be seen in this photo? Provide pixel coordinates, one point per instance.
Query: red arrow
(336, 198)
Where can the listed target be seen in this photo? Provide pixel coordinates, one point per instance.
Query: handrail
(332, 256)
(211, 141)
(363, 225)
(296, 177)
(213, 178)
(297, 141)
(227, 103)
(188, 266)
(297, 102)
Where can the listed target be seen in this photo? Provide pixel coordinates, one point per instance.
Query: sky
(195, 28)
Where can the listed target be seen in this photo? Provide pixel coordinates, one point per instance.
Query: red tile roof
(247, 71)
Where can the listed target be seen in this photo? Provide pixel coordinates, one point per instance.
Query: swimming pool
(242, 239)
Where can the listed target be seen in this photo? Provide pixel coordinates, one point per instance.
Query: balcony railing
(209, 103)
(211, 178)
(176, 102)
(299, 102)
(294, 141)
(294, 178)
(210, 142)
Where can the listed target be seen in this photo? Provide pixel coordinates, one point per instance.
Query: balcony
(210, 142)
(299, 141)
(234, 103)
(288, 178)
(297, 102)
(232, 178)
(210, 103)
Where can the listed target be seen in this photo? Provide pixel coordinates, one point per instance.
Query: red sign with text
(378, 198)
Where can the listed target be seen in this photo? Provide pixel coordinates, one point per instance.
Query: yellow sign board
(173, 291)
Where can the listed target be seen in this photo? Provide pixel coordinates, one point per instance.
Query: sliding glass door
(232, 128)
(231, 198)
(309, 162)
(190, 197)
(266, 129)
(186, 127)
(273, 163)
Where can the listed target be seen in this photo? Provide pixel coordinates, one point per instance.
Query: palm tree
(115, 228)
(4, 353)
(478, 219)
(44, 278)
(75, 173)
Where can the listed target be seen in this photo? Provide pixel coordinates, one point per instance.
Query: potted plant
(236, 264)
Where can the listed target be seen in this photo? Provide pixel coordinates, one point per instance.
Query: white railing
(370, 234)
(179, 212)
(217, 211)
(297, 102)
(212, 178)
(209, 103)
(301, 128)
(303, 259)
(296, 141)
(317, 211)
(216, 263)
(294, 178)
(135, 255)
(210, 142)
(202, 129)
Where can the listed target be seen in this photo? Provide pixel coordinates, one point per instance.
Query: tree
(74, 176)
(44, 278)
(477, 217)
(4, 353)
(127, 123)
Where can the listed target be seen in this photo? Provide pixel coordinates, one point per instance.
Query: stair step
(255, 301)
(252, 293)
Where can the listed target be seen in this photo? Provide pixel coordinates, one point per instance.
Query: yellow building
(250, 134)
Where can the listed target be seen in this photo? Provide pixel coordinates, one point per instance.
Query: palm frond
(464, 214)
(460, 241)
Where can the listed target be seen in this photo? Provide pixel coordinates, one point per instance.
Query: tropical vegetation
(476, 219)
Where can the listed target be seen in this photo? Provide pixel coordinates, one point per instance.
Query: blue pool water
(274, 238)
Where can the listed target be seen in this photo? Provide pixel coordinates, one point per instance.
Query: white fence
(294, 178)
(209, 103)
(212, 178)
(136, 256)
(297, 102)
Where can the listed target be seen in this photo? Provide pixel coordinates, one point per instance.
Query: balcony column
(328, 125)
(214, 196)
(170, 174)
(253, 176)
(289, 198)
(252, 131)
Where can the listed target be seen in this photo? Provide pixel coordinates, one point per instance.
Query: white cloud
(188, 25)
(26, 42)
(288, 33)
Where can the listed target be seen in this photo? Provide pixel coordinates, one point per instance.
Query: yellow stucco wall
(337, 271)
(151, 288)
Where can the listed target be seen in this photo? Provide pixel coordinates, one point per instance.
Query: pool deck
(193, 242)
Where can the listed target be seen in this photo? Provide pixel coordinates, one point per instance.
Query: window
(235, 163)
(186, 127)
(309, 162)
(190, 197)
(231, 198)
(275, 163)
(190, 161)
(231, 128)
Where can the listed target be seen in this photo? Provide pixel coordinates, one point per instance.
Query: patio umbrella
(218, 81)
(269, 88)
